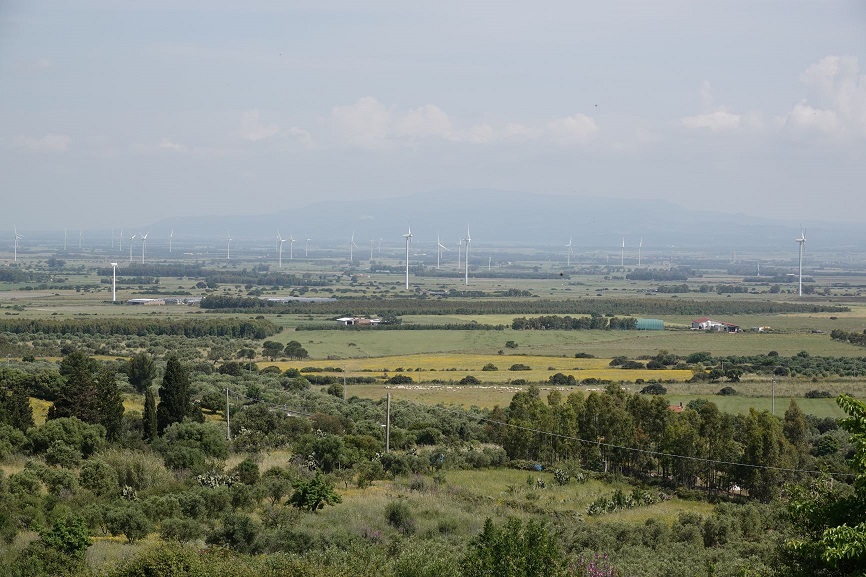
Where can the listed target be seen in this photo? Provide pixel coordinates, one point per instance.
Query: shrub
(469, 380)
(489, 367)
(814, 394)
(400, 517)
(654, 389)
(180, 530)
(726, 391)
(519, 367)
(400, 380)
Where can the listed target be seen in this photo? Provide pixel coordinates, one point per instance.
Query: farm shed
(650, 325)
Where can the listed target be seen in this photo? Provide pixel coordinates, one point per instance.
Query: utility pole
(228, 418)
(388, 424)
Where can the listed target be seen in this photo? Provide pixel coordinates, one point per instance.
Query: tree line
(218, 327)
(568, 323)
(446, 306)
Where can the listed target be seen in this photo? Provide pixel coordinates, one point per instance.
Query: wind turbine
(802, 242)
(114, 282)
(170, 237)
(65, 236)
(408, 237)
(143, 244)
(352, 247)
(466, 256)
(372, 244)
(229, 246)
(80, 234)
(291, 246)
(622, 254)
(17, 238)
(280, 241)
(568, 258)
(306, 244)
(439, 247)
(639, 247)
(380, 245)
(130, 246)
(121, 240)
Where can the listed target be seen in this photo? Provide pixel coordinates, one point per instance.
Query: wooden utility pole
(388, 424)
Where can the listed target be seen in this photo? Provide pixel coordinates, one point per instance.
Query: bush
(129, 521)
(727, 391)
(489, 367)
(400, 517)
(470, 380)
(813, 394)
(519, 367)
(654, 389)
(180, 530)
(400, 380)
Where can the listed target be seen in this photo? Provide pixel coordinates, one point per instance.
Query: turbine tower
(802, 242)
(466, 256)
(372, 244)
(130, 246)
(408, 237)
(121, 240)
(65, 236)
(306, 244)
(291, 246)
(229, 246)
(568, 257)
(352, 247)
(622, 254)
(280, 241)
(439, 247)
(80, 234)
(114, 282)
(143, 244)
(170, 237)
(17, 238)
(639, 247)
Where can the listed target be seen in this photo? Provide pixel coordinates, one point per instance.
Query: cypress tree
(79, 397)
(141, 371)
(109, 402)
(15, 409)
(174, 395)
(149, 417)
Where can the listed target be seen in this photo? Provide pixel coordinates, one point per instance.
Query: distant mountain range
(513, 218)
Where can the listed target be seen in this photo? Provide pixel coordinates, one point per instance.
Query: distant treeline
(387, 307)
(568, 323)
(256, 276)
(17, 275)
(853, 338)
(206, 327)
(661, 274)
(401, 327)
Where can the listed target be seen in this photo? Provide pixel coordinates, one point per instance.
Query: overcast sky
(121, 112)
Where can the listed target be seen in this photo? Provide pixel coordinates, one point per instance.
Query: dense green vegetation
(187, 327)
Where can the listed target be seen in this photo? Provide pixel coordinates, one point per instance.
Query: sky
(117, 112)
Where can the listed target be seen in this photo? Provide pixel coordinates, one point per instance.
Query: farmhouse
(358, 321)
(708, 324)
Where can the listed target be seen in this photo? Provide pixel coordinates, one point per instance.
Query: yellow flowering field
(453, 367)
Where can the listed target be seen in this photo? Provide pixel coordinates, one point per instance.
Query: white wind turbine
(466, 256)
(229, 246)
(170, 238)
(80, 234)
(372, 244)
(802, 242)
(17, 238)
(66, 236)
(280, 241)
(113, 282)
(622, 253)
(408, 237)
(121, 240)
(130, 246)
(306, 244)
(352, 247)
(291, 246)
(639, 247)
(439, 247)
(143, 244)
(568, 247)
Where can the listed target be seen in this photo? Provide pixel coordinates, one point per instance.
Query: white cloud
(717, 121)
(578, 128)
(365, 123)
(714, 118)
(370, 124)
(48, 143)
(303, 136)
(837, 98)
(168, 144)
(252, 128)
